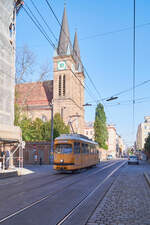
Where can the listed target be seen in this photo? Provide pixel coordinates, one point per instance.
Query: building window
(59, 86)
(64, 85)
(91, 132)
(10, 30)
(86, 132)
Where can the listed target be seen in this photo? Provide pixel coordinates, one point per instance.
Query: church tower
(68, 92)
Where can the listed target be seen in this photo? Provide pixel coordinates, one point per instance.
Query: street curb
(8, 175)
(147, 178)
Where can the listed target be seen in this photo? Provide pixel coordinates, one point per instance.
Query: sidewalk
(37, 169)
(26, 170)
(128, 200)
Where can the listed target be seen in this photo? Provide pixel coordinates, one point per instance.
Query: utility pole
(52, 131)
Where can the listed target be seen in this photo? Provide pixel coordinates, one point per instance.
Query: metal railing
(10, 163)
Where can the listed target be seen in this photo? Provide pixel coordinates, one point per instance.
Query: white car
(133, 159)
(109, 157)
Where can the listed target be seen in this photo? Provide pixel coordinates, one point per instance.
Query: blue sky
(106, 56)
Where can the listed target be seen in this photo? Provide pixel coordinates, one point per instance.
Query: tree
(147, 144)
(59, 126)
(100, 129)
(26, 65)
(38, 130)
(25, 61)
(27, 129)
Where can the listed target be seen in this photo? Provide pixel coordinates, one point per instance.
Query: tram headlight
(61, 160)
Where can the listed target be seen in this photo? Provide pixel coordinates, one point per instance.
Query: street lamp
(111, 98)
(87, 104)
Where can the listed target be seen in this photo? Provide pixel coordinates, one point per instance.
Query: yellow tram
(74, 152)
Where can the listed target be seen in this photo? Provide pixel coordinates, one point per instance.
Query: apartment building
(143, 132)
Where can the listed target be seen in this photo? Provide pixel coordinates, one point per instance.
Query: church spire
(64, 45)
(76, 54)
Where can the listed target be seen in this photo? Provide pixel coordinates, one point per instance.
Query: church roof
(76, 50)
(35, 93)
(76, 54)
(64, 44)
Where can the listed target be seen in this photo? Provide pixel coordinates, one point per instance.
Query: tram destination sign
(64, 141)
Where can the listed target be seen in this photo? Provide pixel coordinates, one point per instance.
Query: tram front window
(63, 148)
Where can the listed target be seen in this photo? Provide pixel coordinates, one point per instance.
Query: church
(65, 92)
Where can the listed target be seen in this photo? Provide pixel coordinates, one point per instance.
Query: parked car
(109, 157)
(133, 159)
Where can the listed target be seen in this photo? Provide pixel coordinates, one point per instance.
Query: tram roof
(77, 137)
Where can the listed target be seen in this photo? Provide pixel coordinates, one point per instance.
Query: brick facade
(41, 149)
(35, 98)
(71, 102)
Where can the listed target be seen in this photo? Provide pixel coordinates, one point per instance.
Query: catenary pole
(52, 131)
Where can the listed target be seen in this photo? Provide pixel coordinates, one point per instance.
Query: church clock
(61, 65)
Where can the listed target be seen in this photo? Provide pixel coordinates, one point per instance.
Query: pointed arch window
(64, 85)
(59, 86)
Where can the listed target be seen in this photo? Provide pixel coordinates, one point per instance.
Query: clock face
(61, 65)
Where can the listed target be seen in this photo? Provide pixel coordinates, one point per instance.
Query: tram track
(89, 195)
(61, 177)
(22, 179)
(54, 193)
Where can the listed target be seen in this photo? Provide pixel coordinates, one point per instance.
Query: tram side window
(86, 149)
(90, 146)
(63, 148)
(77, 147)
(83, 148)
(93, 151)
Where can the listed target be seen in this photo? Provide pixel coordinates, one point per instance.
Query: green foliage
(59, 126)
(38, 130)
(147, 144)
(100, 129)
(27, 129)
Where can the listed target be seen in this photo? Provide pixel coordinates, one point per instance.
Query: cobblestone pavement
(128, 200)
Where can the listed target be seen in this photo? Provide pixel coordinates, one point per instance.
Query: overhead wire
(36, 22)
(114, 31)
(134, 52)
(34, 5)
(51, 9)
(127, 90)
(95, 88)
(42, 30)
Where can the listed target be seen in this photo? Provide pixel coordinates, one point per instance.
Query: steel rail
(89, 195)
(43, 177)
(55, 193)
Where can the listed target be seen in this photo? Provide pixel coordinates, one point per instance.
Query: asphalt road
(53, 198)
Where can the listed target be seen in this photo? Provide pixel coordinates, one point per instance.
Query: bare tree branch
(25, 62)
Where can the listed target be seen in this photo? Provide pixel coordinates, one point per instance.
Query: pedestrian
(2, 160)
(40, 161)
